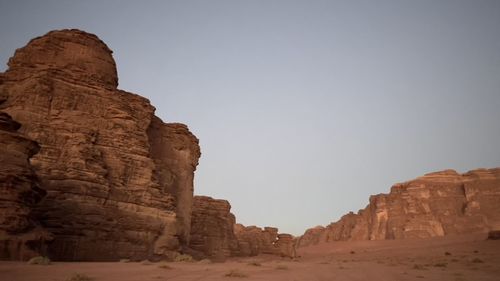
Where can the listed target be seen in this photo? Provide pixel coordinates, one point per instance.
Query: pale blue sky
(303, 108)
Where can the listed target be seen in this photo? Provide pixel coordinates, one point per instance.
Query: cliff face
(119, 181)
(20, 235)
(436, 204)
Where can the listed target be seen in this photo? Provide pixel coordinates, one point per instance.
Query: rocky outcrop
(212, 229)
(286, 245)
(253, 240)
(20, 236)
(436, 204)
(215, 235)
(119, 181)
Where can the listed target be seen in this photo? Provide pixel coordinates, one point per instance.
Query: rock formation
(212, 229)
(20, 235)
(436, 204)
(119, 181)
(215, 235)
(253, 240)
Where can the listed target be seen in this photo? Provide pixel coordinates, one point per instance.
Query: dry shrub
(39, 260)
(235, 273)
(79, 277)
(281, 267)
(164, 266)
(183, 258)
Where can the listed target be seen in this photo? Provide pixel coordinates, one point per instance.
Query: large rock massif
(119, 181)
(110, 179)
(436, 204)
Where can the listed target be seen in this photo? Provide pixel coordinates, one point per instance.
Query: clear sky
(303, 108)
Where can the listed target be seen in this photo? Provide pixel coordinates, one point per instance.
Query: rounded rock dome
(76, 53)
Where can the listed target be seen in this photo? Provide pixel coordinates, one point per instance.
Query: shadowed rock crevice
(20, 235)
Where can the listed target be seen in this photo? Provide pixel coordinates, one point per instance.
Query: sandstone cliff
(119, 181)
(436, 204)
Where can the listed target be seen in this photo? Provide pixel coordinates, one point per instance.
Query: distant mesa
(436, 204)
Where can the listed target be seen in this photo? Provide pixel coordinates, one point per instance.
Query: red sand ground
(459, 258)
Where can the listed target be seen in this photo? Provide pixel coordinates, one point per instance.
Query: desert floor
(469, 257)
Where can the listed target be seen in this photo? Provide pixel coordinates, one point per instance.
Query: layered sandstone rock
(20, 235)
(119, 181)
(436, 204)
(212, 233)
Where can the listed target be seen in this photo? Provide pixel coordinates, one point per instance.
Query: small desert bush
(183, 258)
(165, 266)
(79, 277)
(352, 252)
(477, 260)
(39, 260)
(235, 273)
(254, 263)
(447, 253)
(125, 260)
(281, 267)
(146, 262)
(205, 261)
(440, 264)
(419, 267)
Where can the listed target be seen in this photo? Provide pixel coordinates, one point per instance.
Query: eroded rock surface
(119, 181)
(20, 235)
(436, 204)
